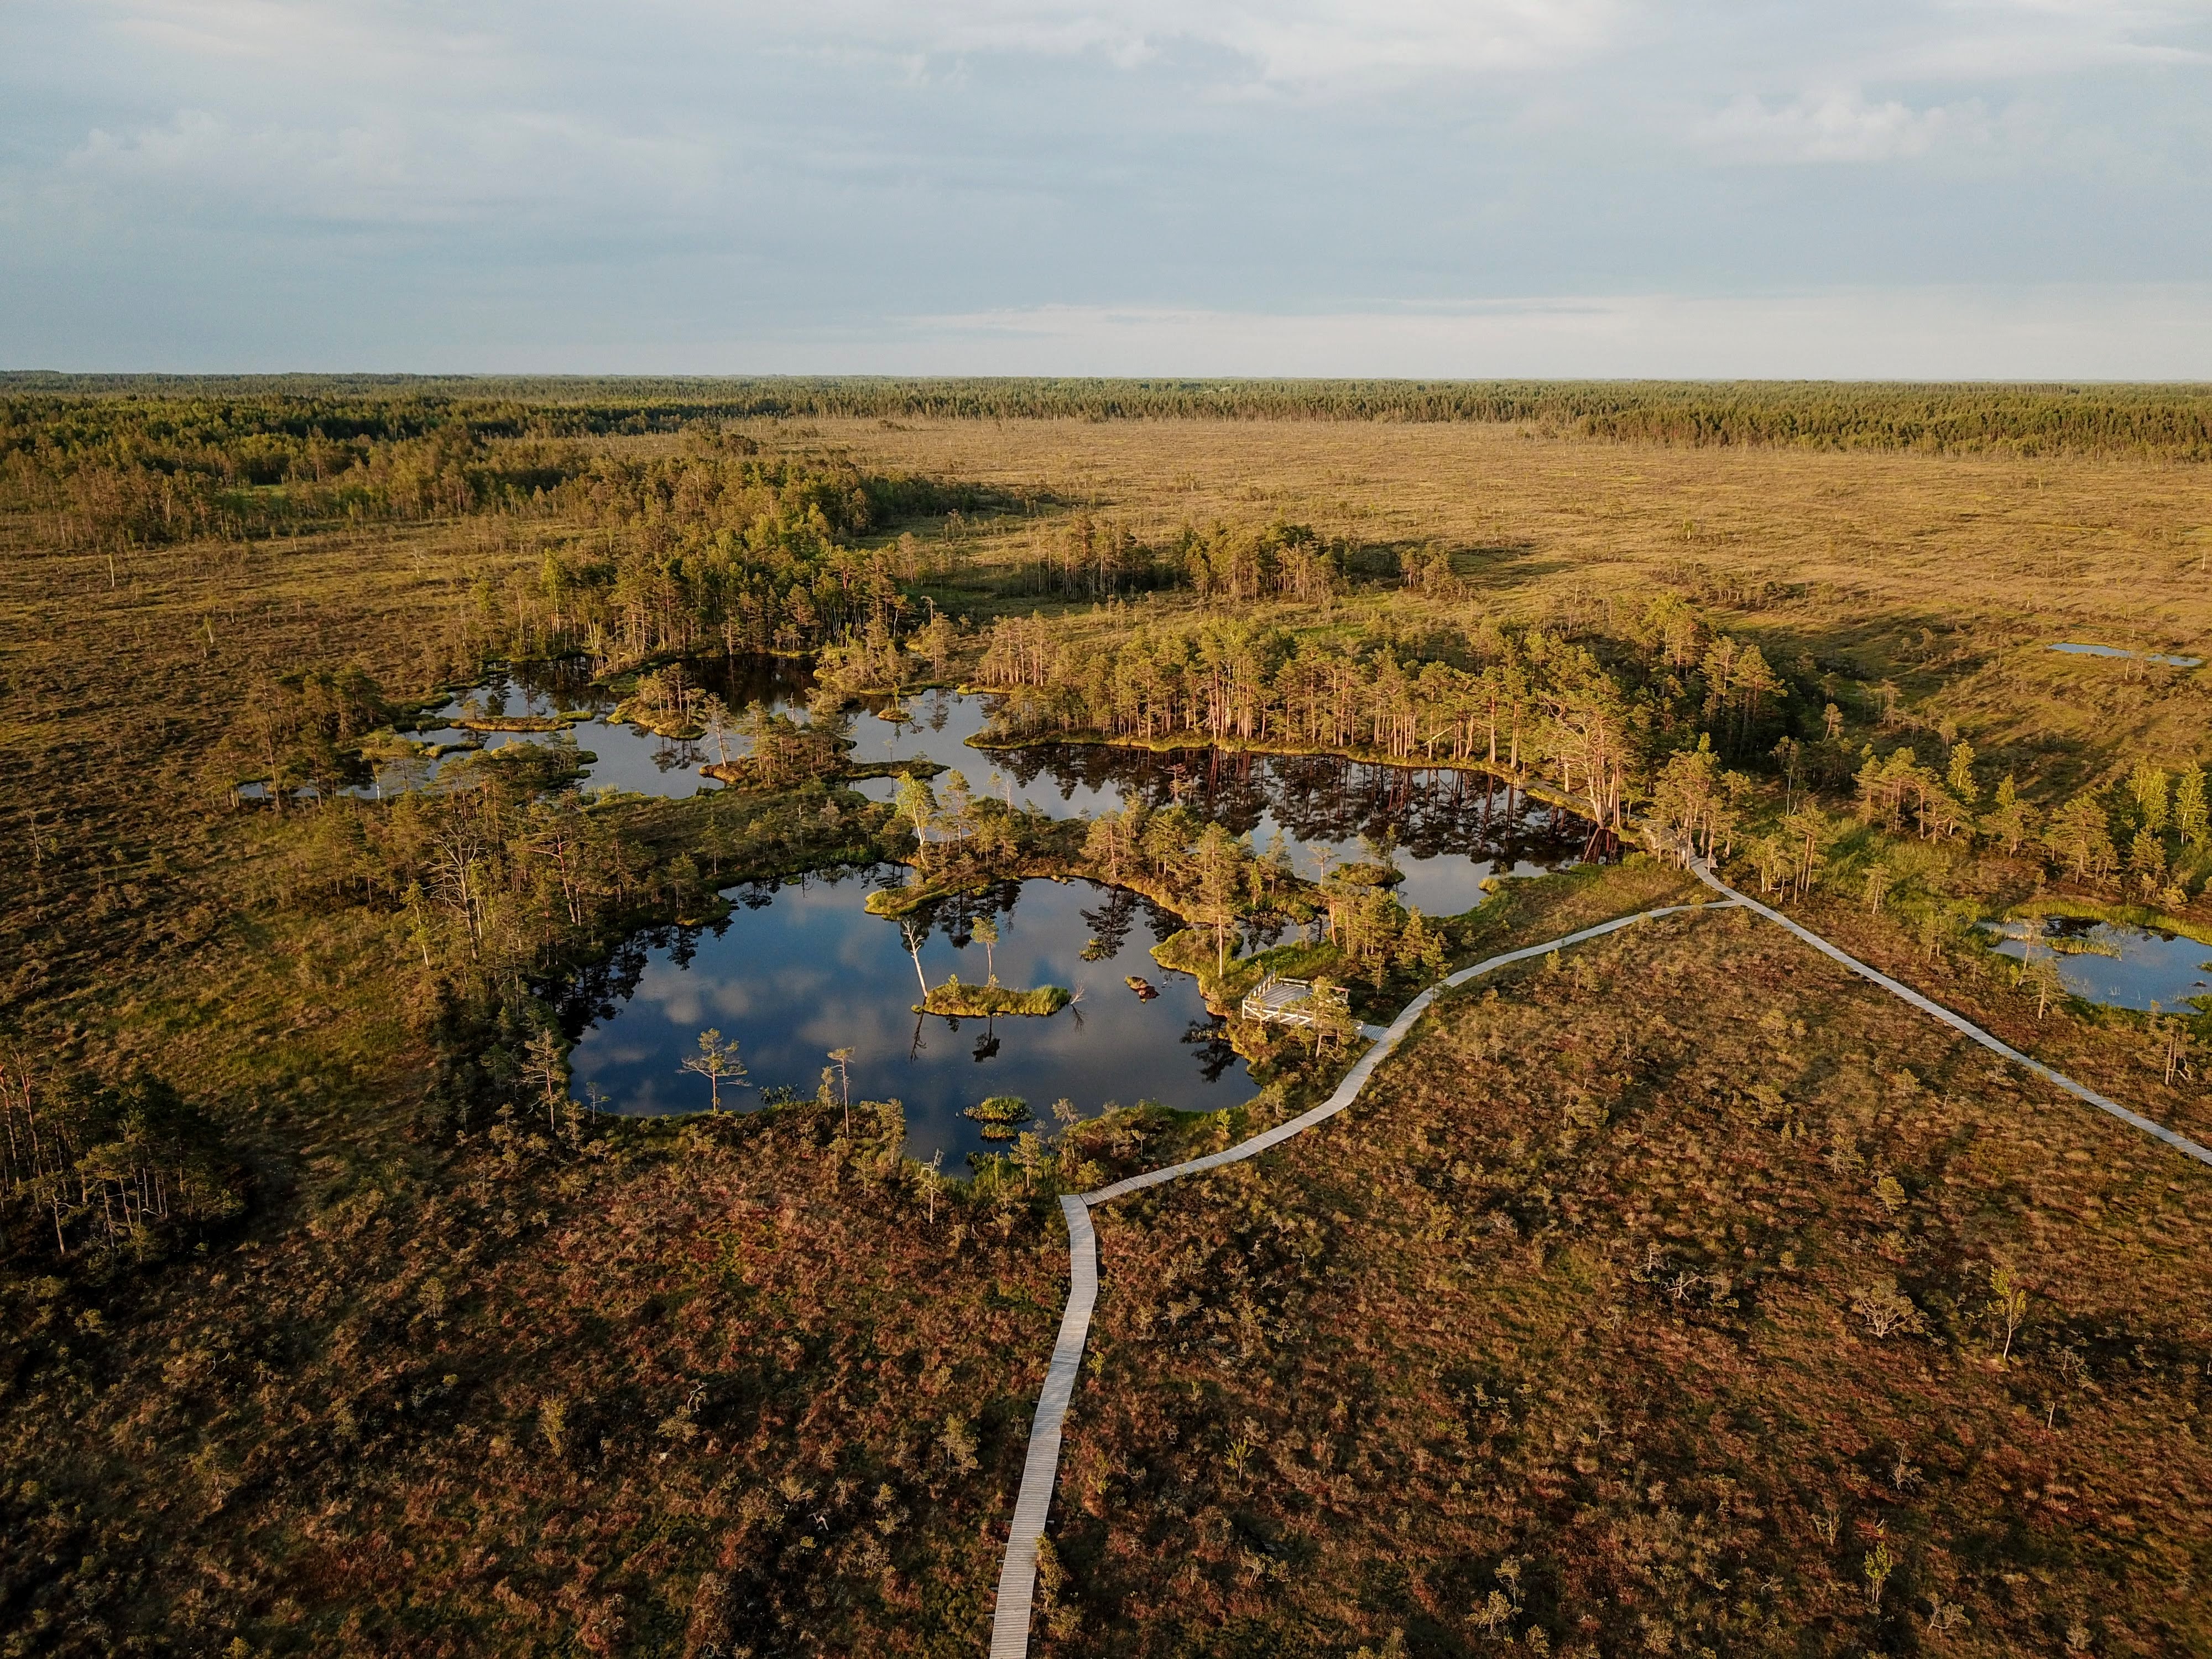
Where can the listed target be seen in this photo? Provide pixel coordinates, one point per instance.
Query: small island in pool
(954, 998)
(1001, 1117)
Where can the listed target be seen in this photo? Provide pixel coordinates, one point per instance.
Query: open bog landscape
(586, 962)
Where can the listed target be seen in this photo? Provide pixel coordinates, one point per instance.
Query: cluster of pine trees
(2151, 814)
(109, 1169)
(714, 551)
(498, 868)
(1239, 565)
(1090, 560)
(2157, 818)
(305, 731)
(1595, 714)
(1217, 881)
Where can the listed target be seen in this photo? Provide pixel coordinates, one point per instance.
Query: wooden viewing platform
(1277, 1001)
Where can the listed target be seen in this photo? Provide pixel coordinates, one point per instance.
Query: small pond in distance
(2072, 649)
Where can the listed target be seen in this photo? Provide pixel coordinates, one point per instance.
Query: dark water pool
(1447, 830)
(2119, 966)
(802, 968)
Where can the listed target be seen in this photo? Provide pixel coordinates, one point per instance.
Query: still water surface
(802, 968)
(624, 756)
(2120, 966)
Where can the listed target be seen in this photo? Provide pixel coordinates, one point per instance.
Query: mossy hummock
(954, 998)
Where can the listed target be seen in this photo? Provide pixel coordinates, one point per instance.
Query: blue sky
(2002, 188)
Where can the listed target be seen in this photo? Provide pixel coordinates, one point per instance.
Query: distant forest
(2173, 421)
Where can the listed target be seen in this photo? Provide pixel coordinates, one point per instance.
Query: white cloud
(1291, 43)
(1836, 125)
(1984, 40)
(388, 170)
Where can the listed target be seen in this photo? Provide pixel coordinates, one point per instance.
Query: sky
(2000, 189)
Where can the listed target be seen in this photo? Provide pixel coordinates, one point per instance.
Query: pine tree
(2188, 812)
(2011, 820)
(2147, 784)
(717, 1061)
(987, 931)
(1960, 775)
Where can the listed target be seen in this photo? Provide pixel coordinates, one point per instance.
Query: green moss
(955, 998)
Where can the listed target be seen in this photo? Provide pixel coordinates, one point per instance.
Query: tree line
(1595, 712)
(2173, 421)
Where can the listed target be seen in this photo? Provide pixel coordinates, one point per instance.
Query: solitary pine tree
(716, 1061)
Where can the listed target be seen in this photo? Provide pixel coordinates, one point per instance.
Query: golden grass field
(1947, 575)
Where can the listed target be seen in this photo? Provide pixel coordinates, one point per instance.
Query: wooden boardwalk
(1278, 1001)
(1010, 1624)
(1702, 870)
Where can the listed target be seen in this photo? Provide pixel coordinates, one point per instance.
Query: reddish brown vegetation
(1570, 1328)
(729, 1382)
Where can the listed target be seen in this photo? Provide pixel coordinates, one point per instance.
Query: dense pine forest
(1673, 1295)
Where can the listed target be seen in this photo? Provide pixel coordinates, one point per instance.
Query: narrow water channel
(623, 756)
